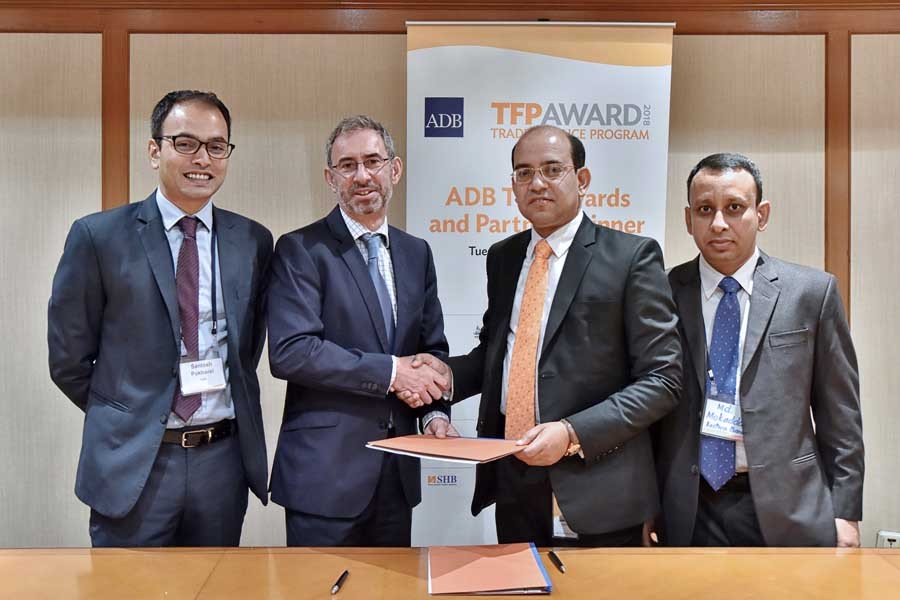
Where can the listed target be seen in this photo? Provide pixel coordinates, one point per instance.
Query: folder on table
(487, 570)
(465, 450)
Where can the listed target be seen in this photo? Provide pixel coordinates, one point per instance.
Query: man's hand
(545, 444)
(418, 385)
(427, 361)
(847, 533)
(649, 536)
(441, 428)
(432, 361)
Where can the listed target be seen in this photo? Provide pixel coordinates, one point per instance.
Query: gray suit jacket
(610, 364)
(113, 336)
(800, 404)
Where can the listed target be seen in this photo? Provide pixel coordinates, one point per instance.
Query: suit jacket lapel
(570, 279)
(510, 267)
(231, 274)
(762, 304)
(153, 238)
(687, 296)
(353, 259)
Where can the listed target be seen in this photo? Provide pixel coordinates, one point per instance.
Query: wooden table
(301, 573)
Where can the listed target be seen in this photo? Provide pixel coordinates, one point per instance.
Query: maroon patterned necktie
(187, 284)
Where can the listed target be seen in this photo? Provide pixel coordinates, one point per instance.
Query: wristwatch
(574, 445)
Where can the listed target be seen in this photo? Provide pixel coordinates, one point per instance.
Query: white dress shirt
(214, 406)
(710, 297)
(385, 265)
(560, 241)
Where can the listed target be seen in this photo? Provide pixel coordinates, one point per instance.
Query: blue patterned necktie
(716, 454)
(373, 244)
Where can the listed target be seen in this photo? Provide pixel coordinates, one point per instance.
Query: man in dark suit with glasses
(155, 331)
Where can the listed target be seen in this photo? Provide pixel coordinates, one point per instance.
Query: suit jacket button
(164, 419)
(694, 469)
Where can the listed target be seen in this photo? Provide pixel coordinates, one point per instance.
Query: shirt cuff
(393, 373)
(435, 414)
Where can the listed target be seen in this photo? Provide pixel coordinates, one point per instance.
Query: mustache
(371, 188)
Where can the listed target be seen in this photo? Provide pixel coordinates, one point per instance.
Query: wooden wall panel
(875, 258)
(50, 174)
(736, 94)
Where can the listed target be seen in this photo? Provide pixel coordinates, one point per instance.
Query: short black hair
(727, 161)
(578, 154)
(168, 102)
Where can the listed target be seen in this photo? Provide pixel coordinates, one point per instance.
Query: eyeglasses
(551, 172)
(347, 168)
(185, 144)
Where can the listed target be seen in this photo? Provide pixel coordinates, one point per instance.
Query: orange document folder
(470, 451)
(484, 570)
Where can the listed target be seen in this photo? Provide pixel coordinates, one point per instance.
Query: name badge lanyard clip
(713, 390)
(212, 268)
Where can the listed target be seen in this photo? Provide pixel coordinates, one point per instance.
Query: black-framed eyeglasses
(347, 168)
(185, 144)
(551, 172)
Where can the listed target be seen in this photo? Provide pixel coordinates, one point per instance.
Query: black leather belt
(191, 437)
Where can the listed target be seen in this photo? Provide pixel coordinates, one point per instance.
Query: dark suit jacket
(114, 339)
(327, 339)
(610, 364)
(800, 404)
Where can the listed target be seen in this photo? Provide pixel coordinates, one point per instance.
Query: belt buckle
(203, 436)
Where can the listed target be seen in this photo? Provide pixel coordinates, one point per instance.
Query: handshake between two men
(424, 378)
(420, 380)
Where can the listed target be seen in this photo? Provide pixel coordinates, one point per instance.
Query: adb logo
(443, 117)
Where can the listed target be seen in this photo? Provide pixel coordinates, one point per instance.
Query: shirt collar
(357, 229)
(560, 240)
(710, 278)
(171, 214)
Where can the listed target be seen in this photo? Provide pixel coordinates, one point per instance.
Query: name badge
(561, 529)
(722, 420)
(199, 376)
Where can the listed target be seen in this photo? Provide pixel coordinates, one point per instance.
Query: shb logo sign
(443, 117)
(441, 479)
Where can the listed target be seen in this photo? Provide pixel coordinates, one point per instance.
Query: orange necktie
(522, 368)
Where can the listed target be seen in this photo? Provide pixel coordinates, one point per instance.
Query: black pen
(557, 561)
(337, 584)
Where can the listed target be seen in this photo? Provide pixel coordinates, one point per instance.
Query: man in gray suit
(765, 447)
(156, 327)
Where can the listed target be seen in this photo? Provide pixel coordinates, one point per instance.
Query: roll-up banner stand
(472, 90)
